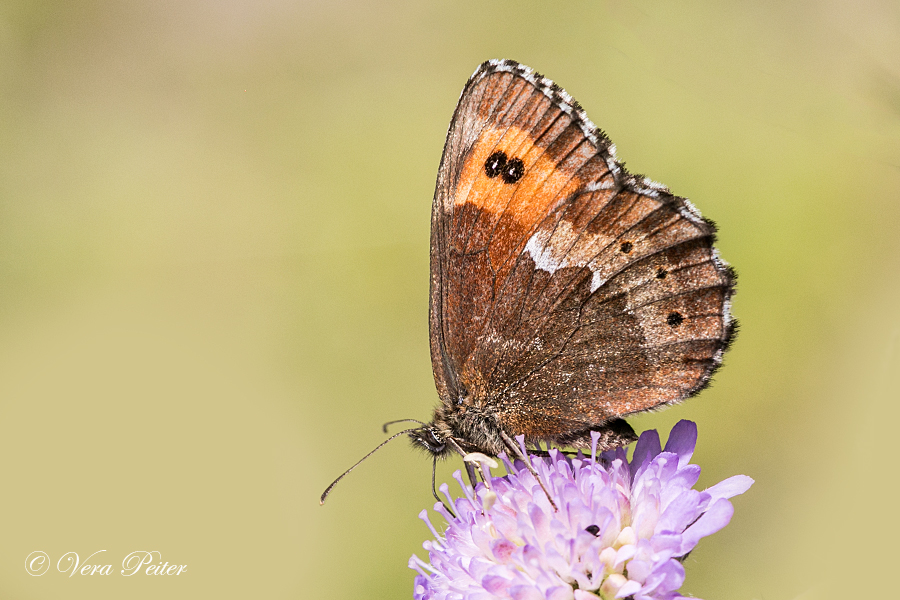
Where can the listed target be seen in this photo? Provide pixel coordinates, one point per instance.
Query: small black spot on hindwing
(674, 319)
(626, 247)
(495, 163)
(661, 273)
(513, 171)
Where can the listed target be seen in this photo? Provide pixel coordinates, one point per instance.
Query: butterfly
(566, 293)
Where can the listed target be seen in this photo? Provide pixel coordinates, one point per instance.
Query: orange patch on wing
(508, 213)
(542, 184)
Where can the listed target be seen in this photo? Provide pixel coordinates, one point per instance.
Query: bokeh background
(214, 225)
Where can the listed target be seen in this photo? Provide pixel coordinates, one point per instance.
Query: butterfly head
(432, 440)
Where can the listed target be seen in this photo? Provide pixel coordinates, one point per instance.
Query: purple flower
(622, 528)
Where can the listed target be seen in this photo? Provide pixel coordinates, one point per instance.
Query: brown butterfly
(566, 293)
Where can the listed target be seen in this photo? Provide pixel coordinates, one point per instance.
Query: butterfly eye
(495, 164)
(434, 441)
(513, 170)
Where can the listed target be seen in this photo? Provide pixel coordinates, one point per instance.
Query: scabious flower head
(622, 528)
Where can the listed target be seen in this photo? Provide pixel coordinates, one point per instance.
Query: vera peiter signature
(138, 562)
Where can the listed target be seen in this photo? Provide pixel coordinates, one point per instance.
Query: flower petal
(646, 448)
(525, 592)
(715, 518)
(730, 487)
(682, 441)
(559, 593)
(629, 589)
(666, 578)
(680, 513)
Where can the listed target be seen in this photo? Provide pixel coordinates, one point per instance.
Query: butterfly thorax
(461, 427)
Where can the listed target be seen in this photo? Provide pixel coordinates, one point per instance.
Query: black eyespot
(626, 247)
(513, 170)
(661, 273)
(495, 163)
(592, 529)
(674, 319)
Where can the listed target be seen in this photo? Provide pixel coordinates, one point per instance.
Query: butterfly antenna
(344, 474)
(384, 427)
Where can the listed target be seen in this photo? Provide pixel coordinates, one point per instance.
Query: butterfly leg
(514, 449)
(434, 487)
(473, 476)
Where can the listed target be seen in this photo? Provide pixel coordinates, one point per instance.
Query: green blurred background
(214, 224)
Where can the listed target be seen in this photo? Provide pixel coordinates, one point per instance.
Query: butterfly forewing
(565, 292)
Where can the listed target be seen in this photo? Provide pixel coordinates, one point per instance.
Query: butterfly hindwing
(614, 337)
